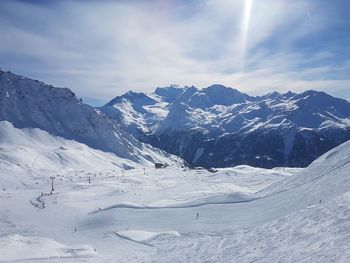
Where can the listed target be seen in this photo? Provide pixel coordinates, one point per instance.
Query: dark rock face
(256, 149)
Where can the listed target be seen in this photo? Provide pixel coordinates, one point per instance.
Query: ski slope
(103, 211)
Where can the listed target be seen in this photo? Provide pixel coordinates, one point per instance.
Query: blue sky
(101, 49)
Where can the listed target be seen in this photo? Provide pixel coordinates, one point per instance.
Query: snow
(204, 110)
(58, 111)
(35, 150)
(137, 111)
(39, 249)
(180, 120)
(142, 236)
(239, 214)
(318, 233)
(107, 206)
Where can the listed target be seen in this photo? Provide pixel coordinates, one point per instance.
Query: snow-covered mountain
(28, 103)
(220, 126)
(101, 211)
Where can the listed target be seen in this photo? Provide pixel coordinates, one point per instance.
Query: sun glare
(245, 29)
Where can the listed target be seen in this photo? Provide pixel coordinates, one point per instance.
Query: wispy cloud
(103, 48)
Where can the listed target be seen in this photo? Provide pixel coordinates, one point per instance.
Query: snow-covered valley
(101, 212)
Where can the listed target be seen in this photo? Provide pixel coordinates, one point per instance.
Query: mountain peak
(132, 97)
(273, 95)
(170, 93)
(222, 95)
(217, 87)
(289, 94)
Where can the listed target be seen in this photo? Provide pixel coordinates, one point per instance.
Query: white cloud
(102, 49)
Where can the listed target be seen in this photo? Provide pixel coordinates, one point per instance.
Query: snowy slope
(171, 214)
(319, 233)
(139, 112)
(54, 226)
(300, 219)
(219, 126)
(264, 205)
(29, 103)
(40, 249)
(36, 151)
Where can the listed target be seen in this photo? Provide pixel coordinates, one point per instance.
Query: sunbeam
(245, 30)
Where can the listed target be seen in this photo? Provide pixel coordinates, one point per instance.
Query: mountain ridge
(28, 103)
(243, 127)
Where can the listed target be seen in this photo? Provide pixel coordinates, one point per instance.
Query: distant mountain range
(28, 103)
(219, 126)
(212, 127)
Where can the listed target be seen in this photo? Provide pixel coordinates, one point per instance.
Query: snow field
(240, 214)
